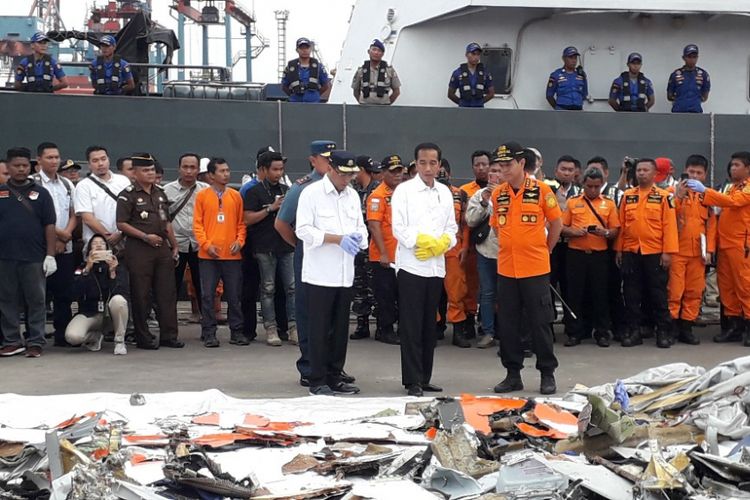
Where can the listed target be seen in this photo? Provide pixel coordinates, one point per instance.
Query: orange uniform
(470, 261)
(219, 222)
(579, 215)
(455, 277)
(520, 219)
(649, 225)
(696, 226)
(379, 209)
(733, 261)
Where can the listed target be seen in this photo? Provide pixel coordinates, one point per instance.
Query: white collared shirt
(322, 209)
(420, 209)
(183, 222)
(92, 199)
(63, 200)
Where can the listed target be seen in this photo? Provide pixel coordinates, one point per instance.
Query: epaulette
(302, 180)
(129, 188)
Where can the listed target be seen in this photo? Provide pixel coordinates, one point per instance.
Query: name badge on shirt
(33, 195)
(100, 306)
(220, 218)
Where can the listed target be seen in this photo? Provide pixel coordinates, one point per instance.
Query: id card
(100, 306)
(220, 218)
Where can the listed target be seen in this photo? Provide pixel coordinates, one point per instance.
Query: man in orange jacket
(456, 290)
(733, 260)
(645, 245)
(219, 227)
(696, 227)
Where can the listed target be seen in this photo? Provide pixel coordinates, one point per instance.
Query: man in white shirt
(424, 224)
(329, 222)
(181, 195)
(62, 191)
(94, 204)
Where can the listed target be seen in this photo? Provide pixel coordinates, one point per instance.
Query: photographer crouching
(100, 301)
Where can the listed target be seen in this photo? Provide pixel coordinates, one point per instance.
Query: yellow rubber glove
(443, 244)
(426, 241)
(423, 253)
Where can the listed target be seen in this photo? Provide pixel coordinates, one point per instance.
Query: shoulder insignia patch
(550, 200)
(129, 188)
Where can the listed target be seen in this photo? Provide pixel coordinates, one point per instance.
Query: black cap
(392, 162)
(366, 163)
(344, 161)
(270, 156)
(508, 151)
(69, 165)
(143, 161)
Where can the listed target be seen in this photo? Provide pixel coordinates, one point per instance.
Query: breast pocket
(631, 213)
(328, 220)
(653, 213)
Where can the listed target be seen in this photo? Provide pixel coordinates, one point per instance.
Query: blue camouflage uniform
(687, 86)
(478, 100)
(636, 94)
(569, 88)
(38, 73)
(104, 85)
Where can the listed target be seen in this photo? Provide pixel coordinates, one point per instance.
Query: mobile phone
(102, 255)
(591, 229)
(684, 176)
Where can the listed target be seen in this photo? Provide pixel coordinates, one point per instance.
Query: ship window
(498, 63)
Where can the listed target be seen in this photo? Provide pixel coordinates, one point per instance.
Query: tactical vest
(625, 102)
(467, 91)
(292, 72)
(42, 83)
(380, 87)
(102, 86)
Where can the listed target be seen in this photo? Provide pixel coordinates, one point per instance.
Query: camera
(629, 164)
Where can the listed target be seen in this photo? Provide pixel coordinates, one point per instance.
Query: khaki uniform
(391, 82)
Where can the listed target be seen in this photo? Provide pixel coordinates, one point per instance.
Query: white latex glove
(50, 266)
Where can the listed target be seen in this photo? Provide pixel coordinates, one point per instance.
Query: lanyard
(219, 195)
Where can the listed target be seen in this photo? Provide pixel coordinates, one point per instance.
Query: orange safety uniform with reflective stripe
(470, 261)
(648, 222)
(687, 272)
(455, 277)
(733, 260)
(379, 209)
(520, 219)
(579, 215)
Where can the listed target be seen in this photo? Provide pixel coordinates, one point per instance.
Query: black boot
(601, 338)
(459, 335)
(733, 332)
(548, 385)
(470, 330)
(511, 382)
(631, 338)
(685, 332)
(663, 339)
(363, 328)
(386, 335)
(746, 334)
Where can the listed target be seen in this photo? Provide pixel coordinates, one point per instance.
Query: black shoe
(363, 328)
(685, 332)
(572, 341)
(602, 339)
(61, 343)
(345, 377)
(173, 343)
(527, 353)
(414, 390)
(387, 336)
(470, 329)
(240, 339)
(304, 382)
(153, 346)
(459, 337)
(631, 338)
(130, 339)
(647, 332)
(548, 386)
(211, 341)
(511, 382)
(733, 333)
(663, 340)
(344, 388)
(441, 327)
(431, 388)
(746, 338)
(321, 390)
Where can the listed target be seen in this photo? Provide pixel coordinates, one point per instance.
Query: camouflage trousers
(363, 303)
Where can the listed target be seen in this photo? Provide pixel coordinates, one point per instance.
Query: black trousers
(385, 288)
(328, 332)
(418, 303)
(558, 277)
(152, 277)
(588, 286)
(525, 304)
(189, 258)
(616, 302)
(59, 290)
(645, 282)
